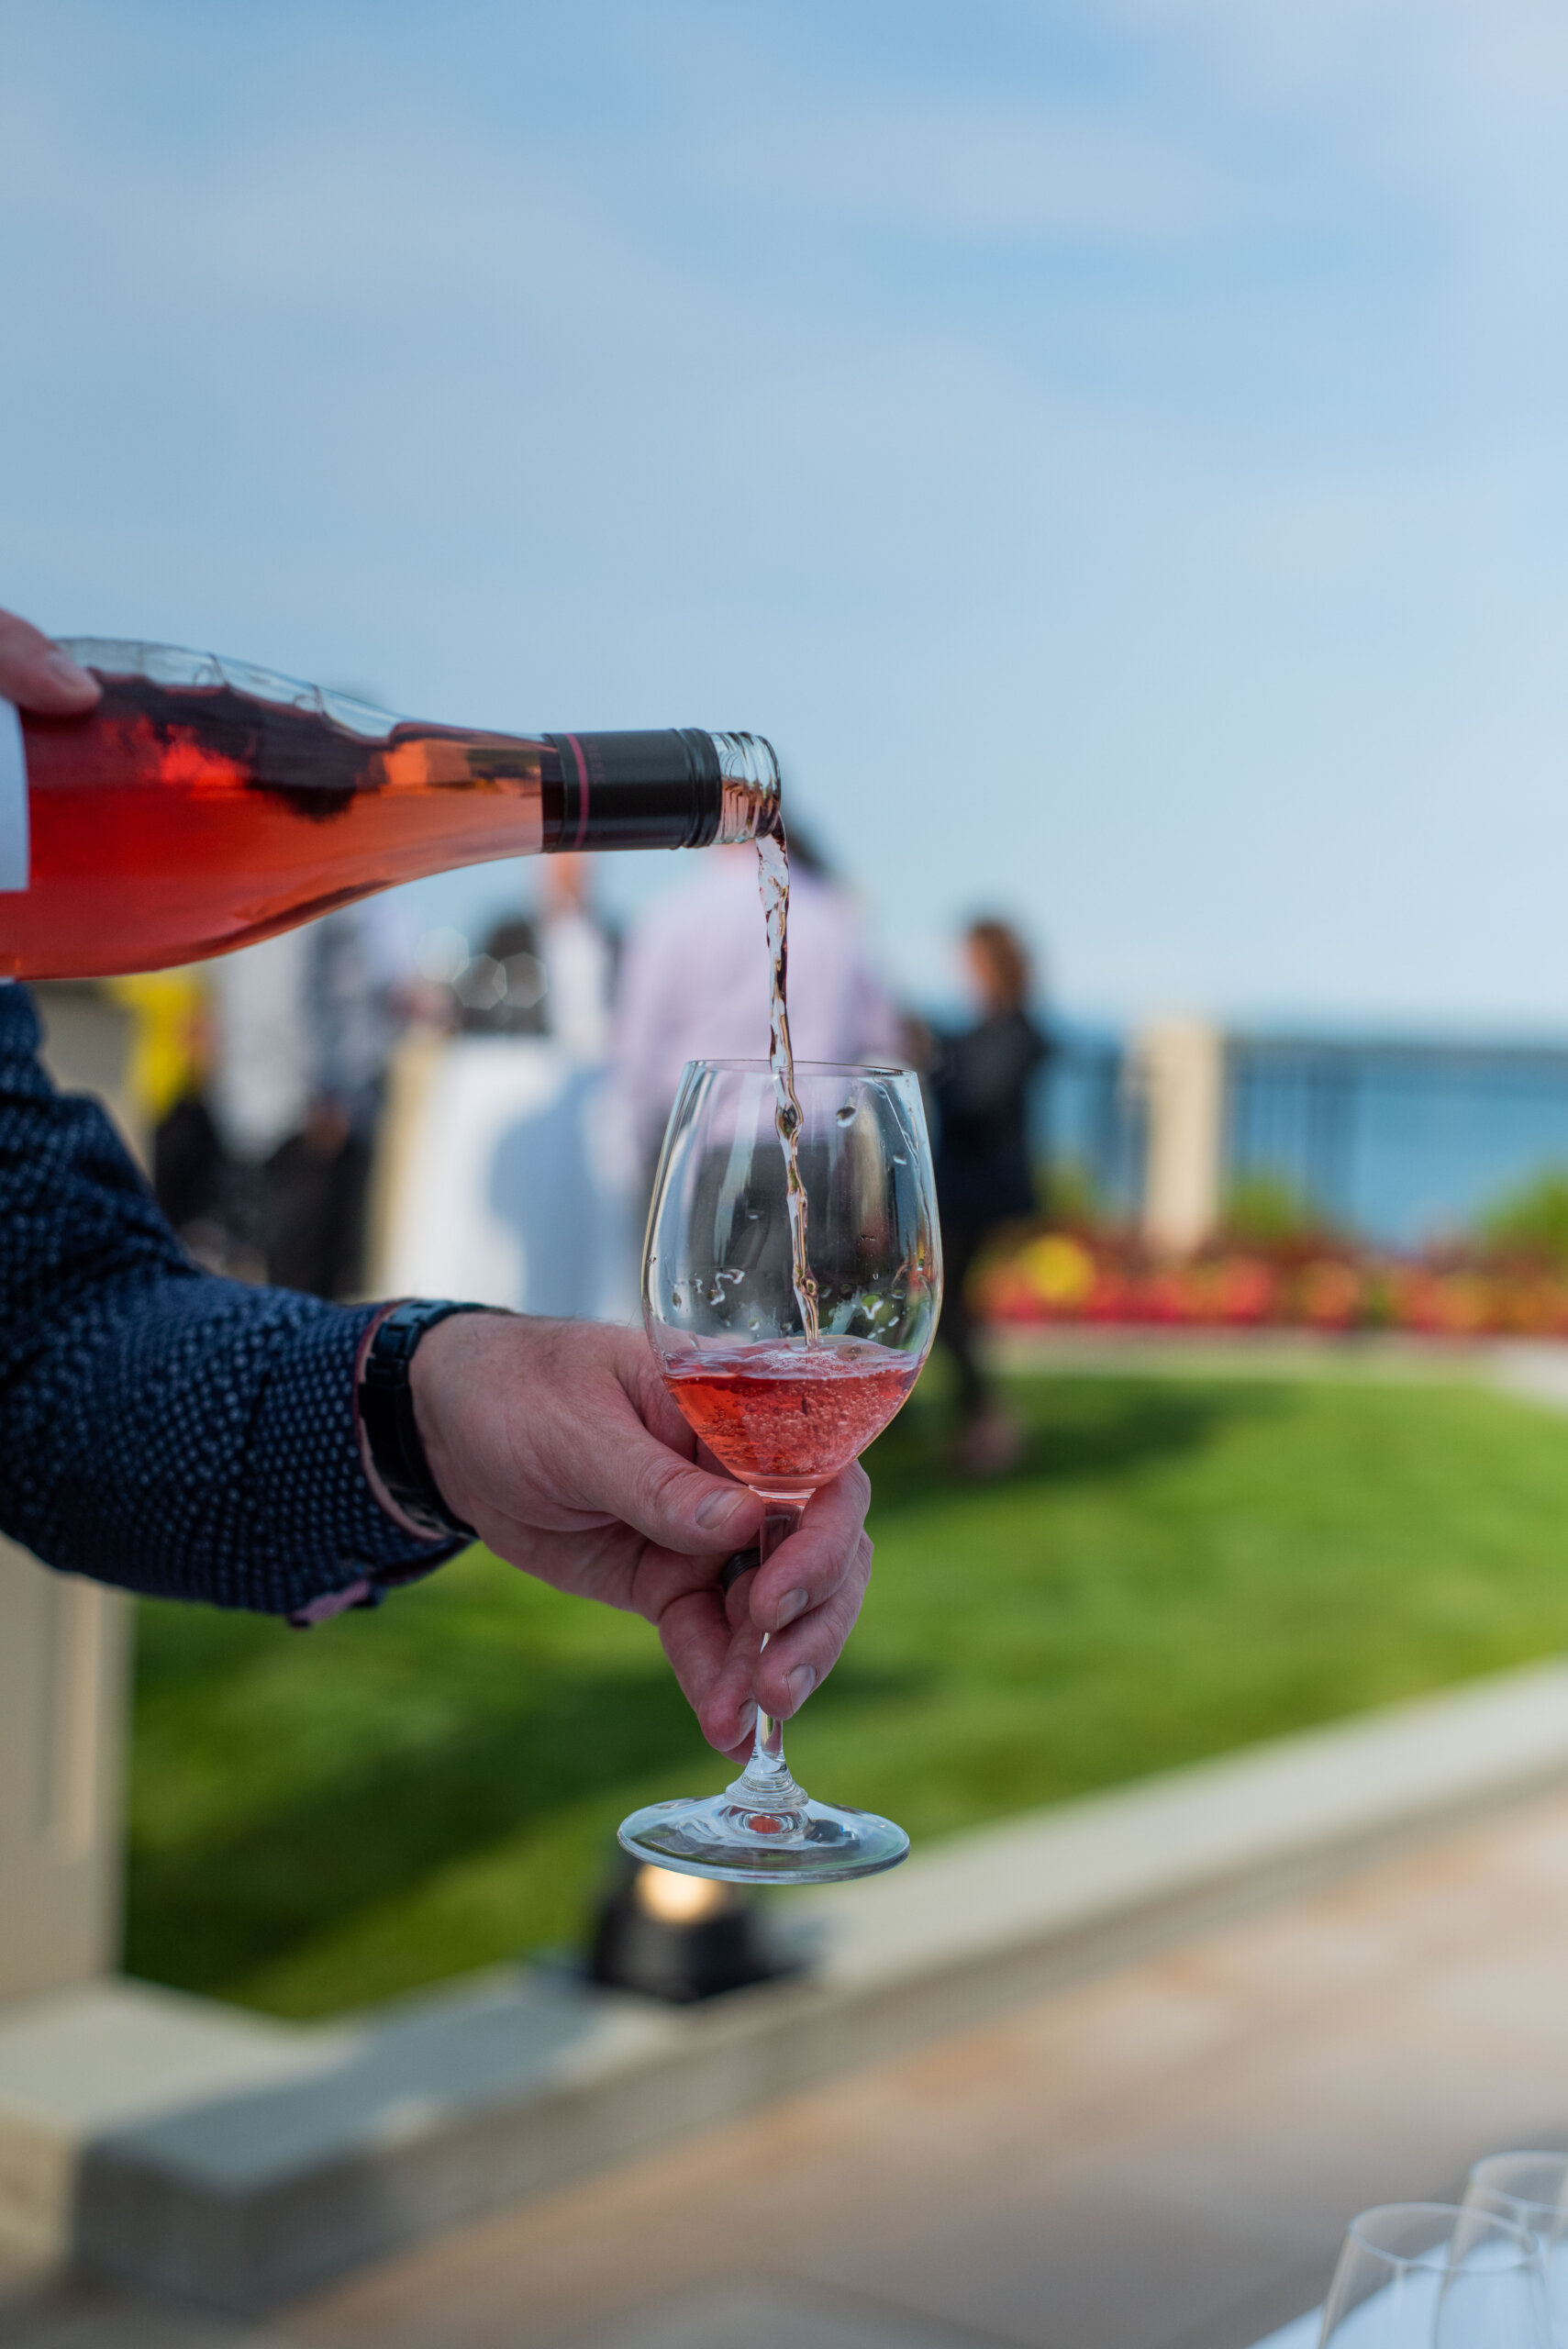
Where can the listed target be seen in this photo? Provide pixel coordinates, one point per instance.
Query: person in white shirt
(579, 958)
(305, 1027)
(694, 982)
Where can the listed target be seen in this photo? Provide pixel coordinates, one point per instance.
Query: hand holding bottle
(35, 674)
(559, 1441)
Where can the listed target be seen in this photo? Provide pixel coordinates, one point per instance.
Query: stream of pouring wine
(773, 874)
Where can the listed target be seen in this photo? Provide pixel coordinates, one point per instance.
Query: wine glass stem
(767, 1773)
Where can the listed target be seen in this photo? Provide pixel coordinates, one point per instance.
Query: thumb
(37, 675)
(674, 1502)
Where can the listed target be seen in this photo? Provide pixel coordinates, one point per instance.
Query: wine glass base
(716, 1836)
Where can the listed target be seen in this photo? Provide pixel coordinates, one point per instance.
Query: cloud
(1005, 169)
(1465, 103)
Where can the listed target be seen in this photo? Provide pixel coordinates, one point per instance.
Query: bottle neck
(676, 788)
(749, 788)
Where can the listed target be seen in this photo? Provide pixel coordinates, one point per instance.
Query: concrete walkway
(1160, 2158)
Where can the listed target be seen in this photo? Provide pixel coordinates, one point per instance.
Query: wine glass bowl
(1530, 2191)
(719, 1301)
(1428, 2276)
(786, 1372)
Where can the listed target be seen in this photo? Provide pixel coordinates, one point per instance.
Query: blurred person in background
(579, 956)
(305, 1025)
(500, 990)
(563, 1180)
(545, 974)
(167, 1084)
(980, 1081)
(694, 983)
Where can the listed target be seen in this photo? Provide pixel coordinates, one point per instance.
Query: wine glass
(786, 1369)
(1530, 2191)
(1425, 2275)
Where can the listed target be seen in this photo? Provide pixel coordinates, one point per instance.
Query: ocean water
(1403, 1142)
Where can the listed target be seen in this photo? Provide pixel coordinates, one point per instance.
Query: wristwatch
(386, 1414)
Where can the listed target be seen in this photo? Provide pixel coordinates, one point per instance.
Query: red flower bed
(1070, 1276)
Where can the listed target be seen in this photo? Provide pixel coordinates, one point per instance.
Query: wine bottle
(205, 803)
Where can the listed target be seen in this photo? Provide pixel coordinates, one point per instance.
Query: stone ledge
(214, 2154)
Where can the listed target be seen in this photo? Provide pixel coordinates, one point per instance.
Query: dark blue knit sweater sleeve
(163, 1429)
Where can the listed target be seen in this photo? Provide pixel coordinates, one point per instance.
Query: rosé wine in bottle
(204, 804)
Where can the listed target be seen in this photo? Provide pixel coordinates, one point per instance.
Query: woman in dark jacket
(980, 1084)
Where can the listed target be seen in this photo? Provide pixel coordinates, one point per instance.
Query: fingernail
(719, 1509)
(69, 672)
(747, 1720)
(800, 1682)
(794, 1603)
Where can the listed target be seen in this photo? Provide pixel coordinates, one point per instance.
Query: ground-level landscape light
(680, 1938)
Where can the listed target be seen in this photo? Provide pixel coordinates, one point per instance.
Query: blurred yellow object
(1058, 1270)
(168, 1054)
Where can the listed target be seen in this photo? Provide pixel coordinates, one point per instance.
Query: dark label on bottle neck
(656, 790)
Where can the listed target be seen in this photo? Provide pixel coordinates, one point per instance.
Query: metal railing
(1091, 1120)
(1398, 1141)
(1395, 1141)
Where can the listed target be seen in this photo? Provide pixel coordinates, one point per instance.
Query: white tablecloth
(1302, 2334)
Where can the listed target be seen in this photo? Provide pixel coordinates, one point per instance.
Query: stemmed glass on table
(1425, 2275)
(1530, 2191)
(785, 1410)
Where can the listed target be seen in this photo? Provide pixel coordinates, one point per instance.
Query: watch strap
(386, 1414)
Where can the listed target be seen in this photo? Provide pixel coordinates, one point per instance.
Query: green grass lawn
(1182, 1565)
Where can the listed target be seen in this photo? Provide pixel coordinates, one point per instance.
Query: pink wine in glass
(785, 1418)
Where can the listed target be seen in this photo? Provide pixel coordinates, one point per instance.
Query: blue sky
(1119, 452)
